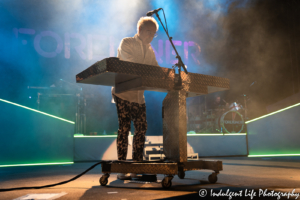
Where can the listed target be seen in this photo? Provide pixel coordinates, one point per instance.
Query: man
(218, 104)
(131, 104)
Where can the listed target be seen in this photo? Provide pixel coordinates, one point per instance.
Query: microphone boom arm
(180, 63)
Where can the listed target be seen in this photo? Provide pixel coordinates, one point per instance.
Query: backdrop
(44, 44)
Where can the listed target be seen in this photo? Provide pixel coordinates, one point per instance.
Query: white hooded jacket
(131, 49)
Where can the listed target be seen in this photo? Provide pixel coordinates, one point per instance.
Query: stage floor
(239, 173)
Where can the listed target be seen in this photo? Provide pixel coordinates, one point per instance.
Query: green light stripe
(37, 164)
(215, 134)
(37, 111)
(88, 136)
(247, 122)
(205, 134)
(114, 136)
(273, 155)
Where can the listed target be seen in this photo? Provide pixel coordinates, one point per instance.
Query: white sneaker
(123, 176)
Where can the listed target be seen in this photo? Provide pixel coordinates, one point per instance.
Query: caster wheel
(212, 178)
(181, 174)
(166, 184)
(103, 181)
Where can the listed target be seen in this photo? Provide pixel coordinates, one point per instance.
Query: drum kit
(227, 118)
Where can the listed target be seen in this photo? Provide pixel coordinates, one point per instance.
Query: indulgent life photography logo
(251, 193)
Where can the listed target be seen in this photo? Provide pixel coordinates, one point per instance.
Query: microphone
(150, 13)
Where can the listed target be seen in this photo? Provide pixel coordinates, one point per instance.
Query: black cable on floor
(76, 177)
(61, 183)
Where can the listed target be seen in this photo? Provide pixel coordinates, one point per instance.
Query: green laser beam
(36, 164)
(37, 111)
(273, 155)
(247, 122)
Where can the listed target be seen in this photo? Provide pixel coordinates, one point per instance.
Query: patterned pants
(137, 113)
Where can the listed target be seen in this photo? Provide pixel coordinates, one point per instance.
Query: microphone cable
(79, 175)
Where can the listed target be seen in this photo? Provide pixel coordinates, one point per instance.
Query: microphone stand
(180, 64)
(80, 115)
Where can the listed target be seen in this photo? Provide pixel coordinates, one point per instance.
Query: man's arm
(125, 51)
(154, 61)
